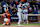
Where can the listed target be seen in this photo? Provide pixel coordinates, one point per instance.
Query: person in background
(34, 10)
(13, 3)
(14, 6)
(0, 8)
(27, 4)
(8, 2)
(38, 11)
(37, 8)
(37, 0)
(5, 6)
(14, 10)
(10, 6)
(39, 4)
(30, 11)
(32, 3)
(2, 3)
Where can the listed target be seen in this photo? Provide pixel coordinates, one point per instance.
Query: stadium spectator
(30, 11)
(0, 8)
(39, 4)
(2, 3)
(13, 3)
(27, 4)
(8, 2)
(37, 0)
(32, 3)
(37, 7)
(38, 11)
(34, 11)
(13, 11)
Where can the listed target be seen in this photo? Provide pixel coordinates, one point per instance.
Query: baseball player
(25, 12)
(19, 13)
(7, 18)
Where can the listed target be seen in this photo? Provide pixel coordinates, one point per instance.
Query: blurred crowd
(32, 6)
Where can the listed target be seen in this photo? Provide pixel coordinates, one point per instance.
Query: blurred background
(33, 7)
